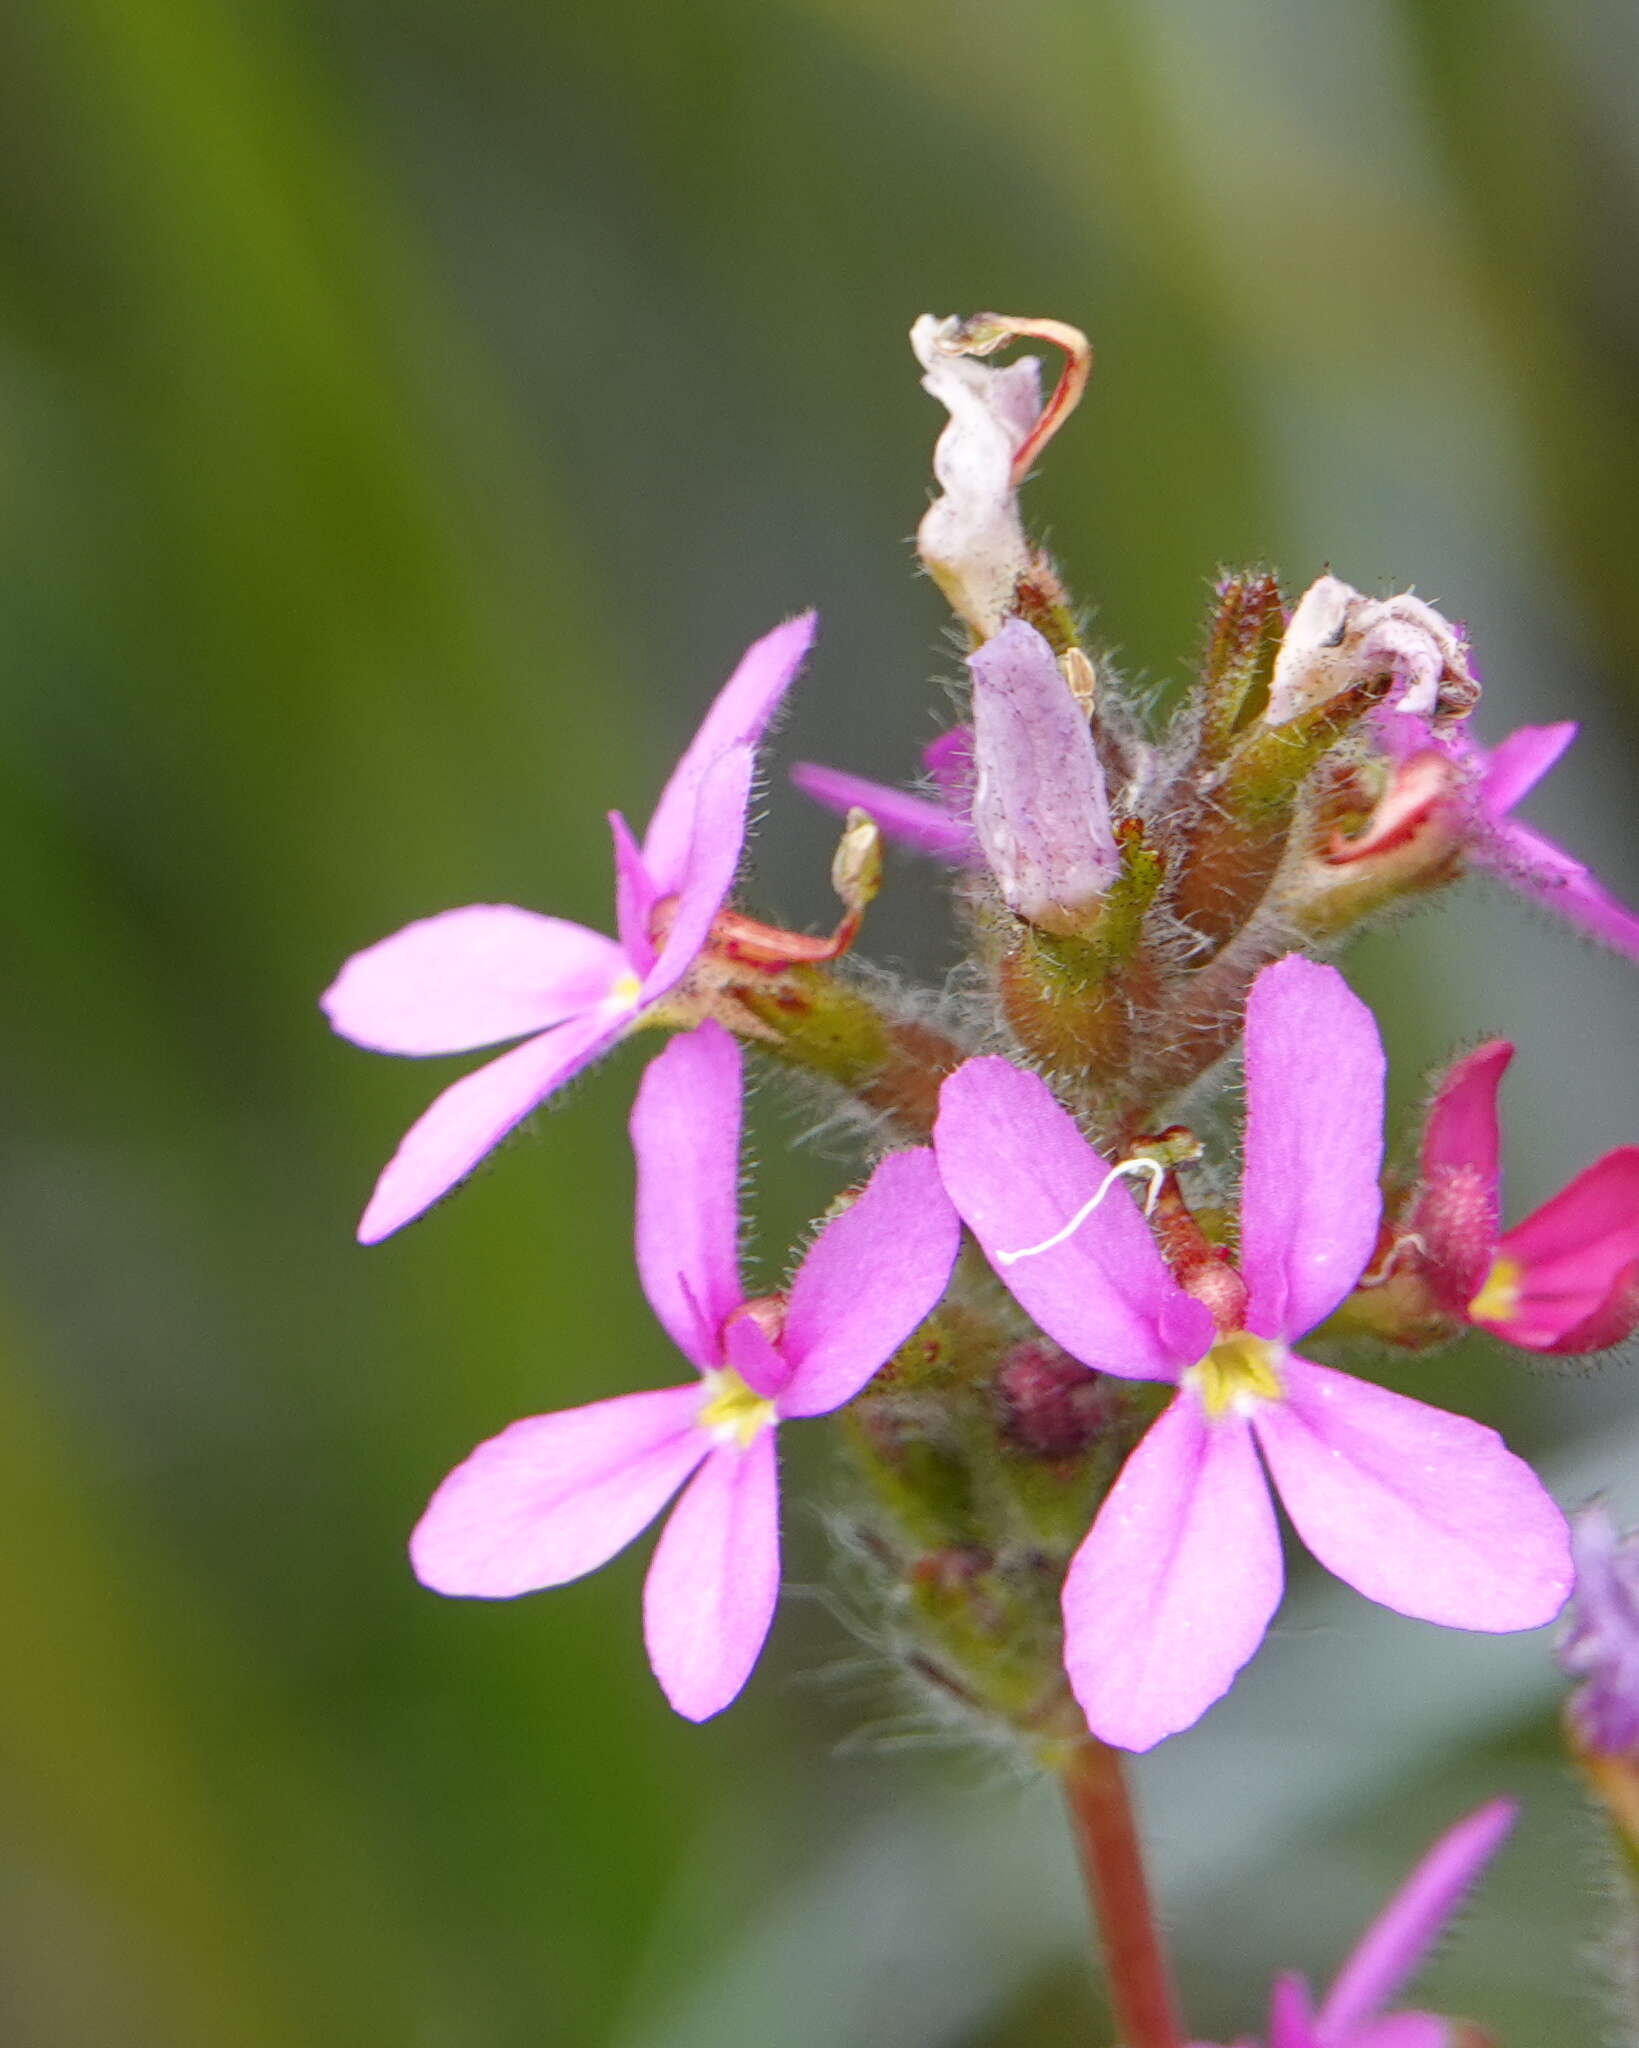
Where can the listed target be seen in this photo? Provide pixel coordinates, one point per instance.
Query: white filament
(1144, 1169)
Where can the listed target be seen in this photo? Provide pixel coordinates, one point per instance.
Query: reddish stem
(1112, 1863)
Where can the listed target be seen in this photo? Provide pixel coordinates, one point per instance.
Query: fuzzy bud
(1040, 809)
(1599, 1644)
(1052, 1406)
(1337, 637)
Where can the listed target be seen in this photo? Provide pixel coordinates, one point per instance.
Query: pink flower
(477, 976)
(553, 1498)
(1600, 1644)
(1564, 1280)
(1174, 1586)
(1497, 781)
(1392, 1949)
(941, 825)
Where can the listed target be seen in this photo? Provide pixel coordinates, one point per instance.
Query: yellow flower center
(1498, 1298)
(626, 992)
(732, 1411)
(1238, 1371)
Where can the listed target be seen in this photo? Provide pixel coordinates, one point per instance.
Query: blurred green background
(407, 412)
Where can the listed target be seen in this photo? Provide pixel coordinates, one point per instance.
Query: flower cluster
(1058, 1547)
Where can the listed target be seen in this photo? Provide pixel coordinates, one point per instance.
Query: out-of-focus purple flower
(477, 976)
(1353, 2013)
(1600, 1642)
(1040, 811)
(1566, 1279)
(554, 1497)
(1495, 782)
(1171, 1592)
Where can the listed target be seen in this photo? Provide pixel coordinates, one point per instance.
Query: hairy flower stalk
(1063, 1336)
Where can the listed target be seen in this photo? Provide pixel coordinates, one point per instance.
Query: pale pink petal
(635, 897)
(1562, 884)
(709, 1599)
(914, 821)
(1173, 1589)
(707, 872)
(1426, 1512)
(1040, 811)
(1397, 1943)
(447, 1141)
(686, 1133)
(1310, 1199)
(471, 977)
(1517, 764)
(1019, 1170)
(1578, 1260)
(871, 1276)
(1463, 1128)
(739, 716)
(554, 1497)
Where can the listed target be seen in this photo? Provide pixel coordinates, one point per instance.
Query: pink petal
(1404, 2030)
(1578, 1256)
(554, 1497)
(914, 821)
(871, 1276)
(1463, 1128)
(1458, 1212)
(738, 718)
(1517, 764)
(471, 977)
(1538, 867)
(1173, 1589)
(1018, 1170)
(686, 1133)
(751, 1353)
(1425, 1512)
(707, 871)
(948, 763)
(1310, 1199)
(1396, 1944)
(447, 1141)
(1291, 2018)
(709, 1599)
(635, 897)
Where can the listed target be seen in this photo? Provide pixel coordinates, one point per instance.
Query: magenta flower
(1498, 781)
(1600, 1644)
(1174, 1586)
(489, 972)
(1393, 1948)
(1564, 1280)
(553, 1498)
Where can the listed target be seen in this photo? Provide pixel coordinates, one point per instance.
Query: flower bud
(1051, 1405)
(1599, 1644)
(1336, 637)
(1040, 810)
